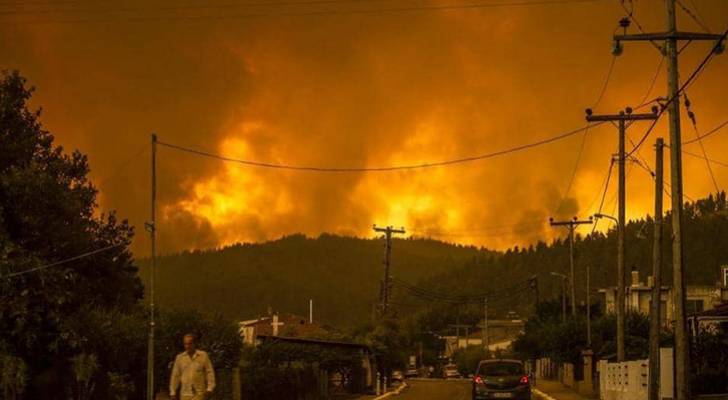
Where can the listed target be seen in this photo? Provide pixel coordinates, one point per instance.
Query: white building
(638, 296)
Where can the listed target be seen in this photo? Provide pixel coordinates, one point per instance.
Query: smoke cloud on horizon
(354, 89)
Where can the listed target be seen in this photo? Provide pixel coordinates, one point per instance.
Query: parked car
(501, 379)
(411, 373)
(397, 375)
(450, 372)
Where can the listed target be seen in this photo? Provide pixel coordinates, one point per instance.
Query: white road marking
(542, 394)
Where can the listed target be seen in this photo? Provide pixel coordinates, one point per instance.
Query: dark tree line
(77, 329)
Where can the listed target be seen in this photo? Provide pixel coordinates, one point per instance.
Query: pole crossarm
(668, 36)
(389, 229)
(570, 222)
(623, 117)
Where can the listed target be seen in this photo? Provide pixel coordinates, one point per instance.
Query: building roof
(321, 342)
(290, 325)
(721, 310)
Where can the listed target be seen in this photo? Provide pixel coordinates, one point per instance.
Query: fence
(630, 380)
(580, 376)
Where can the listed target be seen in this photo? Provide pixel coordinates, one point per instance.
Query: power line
(682, 88)
(78, 257)
(430, 295)
(697, 13)
(35, 3)
(584, 136)
(630, 16)
(651, 173)
(644, 101)
(382, 168)
(122, 167)
(604, 193)
(252, 4)
(691, 115)
(714, 161)
(477, 232)
(605, 184)
(705, 135)
(693, 16)
(324, 12)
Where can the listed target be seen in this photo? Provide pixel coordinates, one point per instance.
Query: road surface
(437, 389)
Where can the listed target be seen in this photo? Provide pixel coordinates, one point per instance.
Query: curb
(542, 394)
(396, 392)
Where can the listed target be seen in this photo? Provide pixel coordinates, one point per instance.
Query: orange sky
(352, 89)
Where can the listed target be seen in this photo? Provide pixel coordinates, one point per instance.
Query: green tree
(47, 214)
(85, 366)
(13, 377)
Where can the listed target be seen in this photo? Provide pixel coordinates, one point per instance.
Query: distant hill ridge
(341, 274)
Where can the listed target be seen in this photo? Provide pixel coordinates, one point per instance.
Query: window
(693, 306)
(663, 310)
(500, 369)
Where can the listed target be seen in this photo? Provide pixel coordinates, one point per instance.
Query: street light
(599, 215)
(563, 294)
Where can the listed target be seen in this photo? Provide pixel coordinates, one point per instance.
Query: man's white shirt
(194, 373)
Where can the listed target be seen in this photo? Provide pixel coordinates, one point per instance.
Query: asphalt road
(437, 389)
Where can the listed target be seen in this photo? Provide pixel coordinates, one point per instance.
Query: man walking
(193, 372)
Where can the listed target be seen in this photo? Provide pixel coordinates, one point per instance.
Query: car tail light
(524, 380)
(478, 380)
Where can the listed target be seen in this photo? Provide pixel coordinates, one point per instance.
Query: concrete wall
(630, 380)
(567, 377)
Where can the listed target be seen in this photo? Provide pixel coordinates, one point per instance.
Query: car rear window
(500, 369)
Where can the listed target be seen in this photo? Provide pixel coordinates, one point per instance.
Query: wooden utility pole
(564, 280)
(588, 308)
(671, 37)
(572, 224)
(388, 231)
(486, 334)
(655, 309)
(457, 327)
(534, 285)
(151, 227)
(622, 119)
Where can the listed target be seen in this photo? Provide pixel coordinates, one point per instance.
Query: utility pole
(622, 119)
(457, 327)
(564, 280)
(588, 308)
(534, 285)
(151, 226)
(388, 231)
(671, 37)
(572, 224)
(486, 336)
(655, 309)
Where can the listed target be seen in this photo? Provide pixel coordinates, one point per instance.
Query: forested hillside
(705, 248)
(342, 274)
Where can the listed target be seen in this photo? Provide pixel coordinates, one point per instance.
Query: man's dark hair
(192, 335)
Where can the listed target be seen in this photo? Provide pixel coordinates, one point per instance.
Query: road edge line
(542, 394)
(395, 392)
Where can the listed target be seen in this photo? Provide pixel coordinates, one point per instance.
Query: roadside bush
(709, 363)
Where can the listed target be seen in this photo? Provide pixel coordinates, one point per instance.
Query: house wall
(638, 298)
(709, 295)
